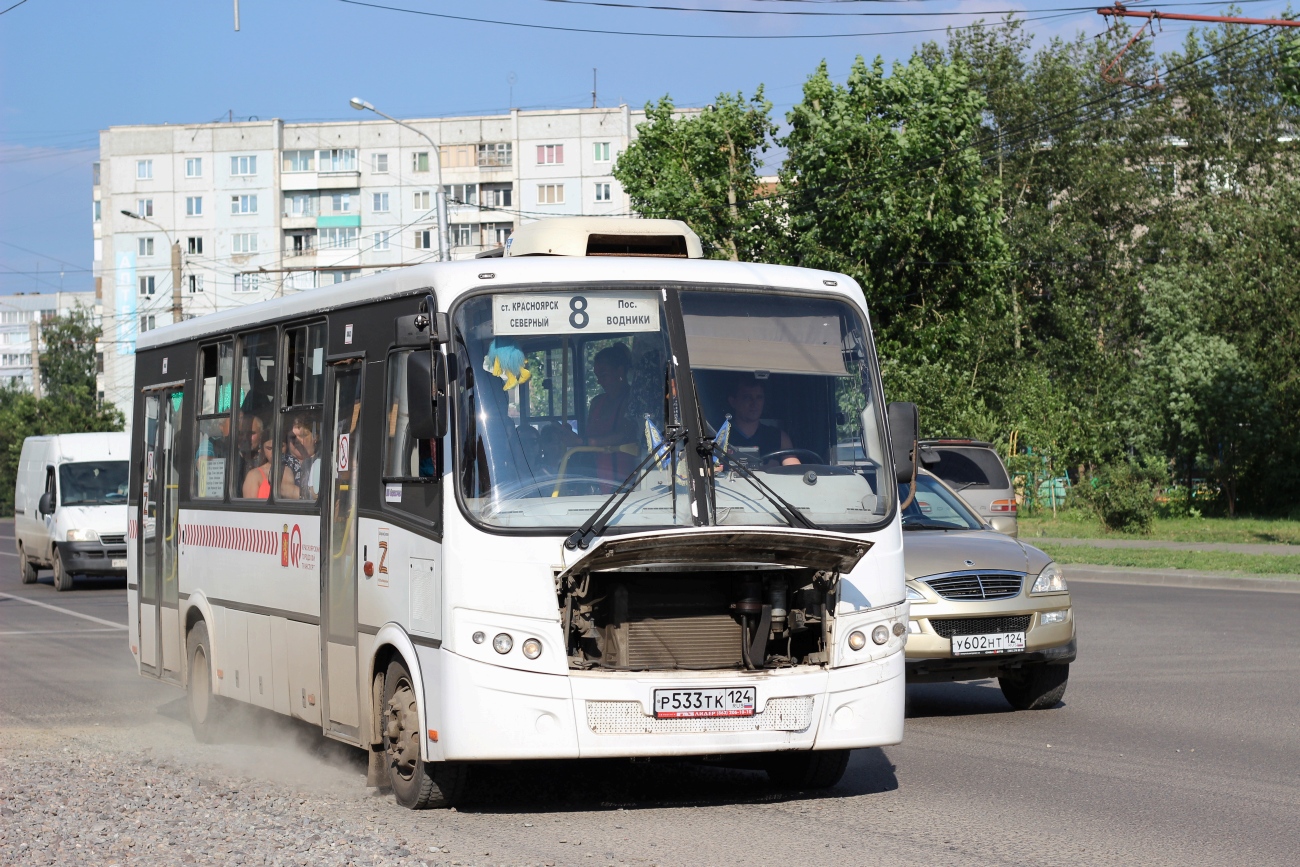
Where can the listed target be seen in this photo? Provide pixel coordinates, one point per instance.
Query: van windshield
(93, 483)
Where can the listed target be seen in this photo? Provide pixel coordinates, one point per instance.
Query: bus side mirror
(426, 394)
(45, 505)
(904, 431)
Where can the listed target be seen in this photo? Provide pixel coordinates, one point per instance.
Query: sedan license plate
(119, 564)
(696, 703)
(997, 642)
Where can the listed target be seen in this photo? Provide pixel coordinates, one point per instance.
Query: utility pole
(236, 16)
(593, 87)
(176, 280)
(34, 335)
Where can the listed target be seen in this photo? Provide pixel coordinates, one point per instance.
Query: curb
(1180, 578)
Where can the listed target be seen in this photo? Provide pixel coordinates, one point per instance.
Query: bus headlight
(532, 648)
(880, 634)
(502, 643)
(83, 536)
(1050, 580)
(857, 640)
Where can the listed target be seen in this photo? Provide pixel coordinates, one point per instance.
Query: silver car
(975, 470)
(983, 604)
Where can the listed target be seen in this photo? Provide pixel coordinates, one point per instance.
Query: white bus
(587, 499)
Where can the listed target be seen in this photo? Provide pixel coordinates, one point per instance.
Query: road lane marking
(8, 553)
(61, 610)
(59, 631)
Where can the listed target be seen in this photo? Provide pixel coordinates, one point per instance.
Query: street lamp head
(360, 104)
(131, 214)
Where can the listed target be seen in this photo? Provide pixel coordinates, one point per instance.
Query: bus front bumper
(486, 712)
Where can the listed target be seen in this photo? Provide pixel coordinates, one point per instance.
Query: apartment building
(17, 315)
(263, 208)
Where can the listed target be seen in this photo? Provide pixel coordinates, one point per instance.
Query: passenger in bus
(748, 434)
(301, 474)
(257, 482)
(609, 422)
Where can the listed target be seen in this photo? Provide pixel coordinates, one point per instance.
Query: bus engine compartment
(690, 603)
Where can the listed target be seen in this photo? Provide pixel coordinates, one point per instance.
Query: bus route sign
(575, 313)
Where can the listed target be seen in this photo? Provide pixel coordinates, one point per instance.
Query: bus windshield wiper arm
(792, 515)
(599, 519)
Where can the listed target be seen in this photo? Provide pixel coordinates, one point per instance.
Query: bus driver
(748, 433)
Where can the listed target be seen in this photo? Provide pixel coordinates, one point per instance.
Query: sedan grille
(117, 539)
(949, 627)
(977, 585)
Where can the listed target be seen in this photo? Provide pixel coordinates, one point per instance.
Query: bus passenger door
(160, 650)
(339, 538)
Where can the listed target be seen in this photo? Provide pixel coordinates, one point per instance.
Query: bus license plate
(695, 703)
(997, 642)
(119, 564)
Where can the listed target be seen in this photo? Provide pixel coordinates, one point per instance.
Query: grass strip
(1077, 524)
(1201, 561)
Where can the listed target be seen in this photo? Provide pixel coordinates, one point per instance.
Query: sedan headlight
(1050, 580)
(83, 536)
(915, 596)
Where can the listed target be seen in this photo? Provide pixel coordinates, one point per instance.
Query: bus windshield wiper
(599, 519)
(792, 515)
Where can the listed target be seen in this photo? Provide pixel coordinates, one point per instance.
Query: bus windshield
(93, 483)
(563, 394)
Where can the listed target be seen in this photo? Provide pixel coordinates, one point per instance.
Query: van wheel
(204, 707)
(62, 577)
(26, 566)
(807, 769)
(416, 784)
(1035, 687)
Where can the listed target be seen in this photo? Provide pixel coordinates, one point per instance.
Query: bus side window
(298, 444)
(412, 467)
(212, 451)
(256, 405)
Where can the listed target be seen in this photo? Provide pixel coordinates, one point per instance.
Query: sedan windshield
(936, 508)
(564, 394)
(93, 483)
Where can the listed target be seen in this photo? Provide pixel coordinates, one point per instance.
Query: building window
(338, 160)
(420, 161)
(97, 210)
(602, 192)
(146, 286)
(15, 317)
(299, 205)
(246, 165)
(144, 207)
(196, 282)
(380, 203)
(298, 161)
(300, 244)
(146, 323)
(243, 242)
(421, 200)
(550, 194)
(461, 194)
(246, 282)
(380, 241)
(457, 156)
(496, 154)
(496, 196)
(379, 164)
(602, 151)
(94, 174)
(193, 206)
(342, 202)
(550, 155)
(17, 359)
(195, 245)
(464, 234)
(194, 167)
(243, 204)
(144, 170)
(338, 237)
(423, 239)
(145, 246)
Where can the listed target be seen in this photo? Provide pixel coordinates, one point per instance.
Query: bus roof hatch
(605, 236)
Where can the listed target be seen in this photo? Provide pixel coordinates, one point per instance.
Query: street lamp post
(440, 197)
(176, 262)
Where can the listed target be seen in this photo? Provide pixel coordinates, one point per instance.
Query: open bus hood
(823, 552)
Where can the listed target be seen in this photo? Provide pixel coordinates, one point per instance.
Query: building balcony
(292, 181)
(299, 221)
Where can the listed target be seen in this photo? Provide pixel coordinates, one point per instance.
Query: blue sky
(69, 69)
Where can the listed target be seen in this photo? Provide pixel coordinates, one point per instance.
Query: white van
(70, 505)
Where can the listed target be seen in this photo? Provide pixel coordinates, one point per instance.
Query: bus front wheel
(807, 769)
(416, 784)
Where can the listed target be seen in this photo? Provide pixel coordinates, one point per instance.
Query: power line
(13, 7)
(611, 4)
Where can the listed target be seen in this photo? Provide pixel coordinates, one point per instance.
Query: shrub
(1123, 496)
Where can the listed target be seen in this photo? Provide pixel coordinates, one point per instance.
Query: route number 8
(579, 317)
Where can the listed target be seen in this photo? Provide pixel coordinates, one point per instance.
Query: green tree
(704, 168)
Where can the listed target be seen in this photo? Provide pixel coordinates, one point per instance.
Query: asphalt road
(1178, 743)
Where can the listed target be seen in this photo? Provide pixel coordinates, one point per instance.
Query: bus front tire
(204, 707)
(26, 566)
(62, 577)
(416, 784)
(1035, 687)
(807, 769)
